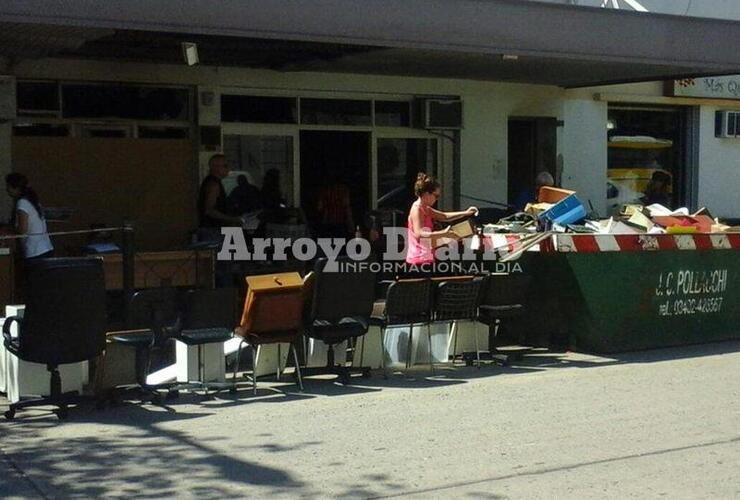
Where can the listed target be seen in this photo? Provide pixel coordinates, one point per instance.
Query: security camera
(190, 53)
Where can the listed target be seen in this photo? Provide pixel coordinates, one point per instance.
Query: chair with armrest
(273, 314)
(208, 317)
(340, 310)
(153, 317)
(457, 300)
(64, 322)
(503, 298)
(408, 302)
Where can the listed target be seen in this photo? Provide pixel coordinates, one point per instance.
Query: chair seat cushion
(204, 336)
(279, 337)
(13, 345)
(488, 313)
(337, 331)
(133, 339)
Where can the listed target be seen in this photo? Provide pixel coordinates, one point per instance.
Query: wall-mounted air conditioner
(440, 114)
(727, 124)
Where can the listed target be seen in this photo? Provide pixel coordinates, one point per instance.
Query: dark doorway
(532, 149)
(345, 155)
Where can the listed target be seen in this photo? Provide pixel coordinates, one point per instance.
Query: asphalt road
(658, 424)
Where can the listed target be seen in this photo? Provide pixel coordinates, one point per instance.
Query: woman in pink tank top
(420, 226)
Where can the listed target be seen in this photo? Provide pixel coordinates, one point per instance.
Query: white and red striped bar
(643, 242)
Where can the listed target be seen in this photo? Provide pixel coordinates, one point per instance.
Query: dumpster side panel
(629, 301)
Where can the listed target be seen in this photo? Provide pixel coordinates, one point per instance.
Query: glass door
(256, 154)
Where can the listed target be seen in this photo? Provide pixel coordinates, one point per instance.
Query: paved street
(658, 424)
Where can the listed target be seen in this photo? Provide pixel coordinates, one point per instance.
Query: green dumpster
(630, 292)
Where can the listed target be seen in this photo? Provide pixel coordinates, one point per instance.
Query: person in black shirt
(212, 207)
(244, 197)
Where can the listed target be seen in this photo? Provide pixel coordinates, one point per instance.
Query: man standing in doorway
(212, 207)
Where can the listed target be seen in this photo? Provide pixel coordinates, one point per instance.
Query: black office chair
(457, 300)
(503, 298)
(208, 317)
(153, 318)
(64, 322)
(407, 303)
(340, 310)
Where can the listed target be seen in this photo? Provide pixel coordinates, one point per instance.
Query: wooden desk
(154, 269)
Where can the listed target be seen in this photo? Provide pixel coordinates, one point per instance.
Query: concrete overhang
(543, 43)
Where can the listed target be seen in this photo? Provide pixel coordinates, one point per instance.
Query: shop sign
(717, 87)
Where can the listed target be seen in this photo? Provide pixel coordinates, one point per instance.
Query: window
(255, 109)
(40, 130)
(399, 161)
(254, 155)
(392, 114)
(37, 98)
(645, 144)
(164, 132)
(125, 102)
(105, 131)
(335, 112)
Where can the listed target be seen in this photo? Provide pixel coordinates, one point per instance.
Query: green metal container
(607, 302)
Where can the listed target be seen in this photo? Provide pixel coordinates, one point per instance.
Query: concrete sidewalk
(655, 424)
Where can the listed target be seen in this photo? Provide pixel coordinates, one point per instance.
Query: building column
(7, 115)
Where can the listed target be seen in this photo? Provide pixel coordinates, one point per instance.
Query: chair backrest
(457, 299)
(506, 289)
(65, 317)
(210, 308)
(158, 310)
(274, 303)
(409, 301)
(349, 292)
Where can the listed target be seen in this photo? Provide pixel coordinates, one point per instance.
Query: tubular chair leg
(238, 356)
(382, 353)
(410, 344)
(453, 329)
(362, 353)
(429, 338)
(297, 367)
(254, 369)
(279, 359)
(477, 349)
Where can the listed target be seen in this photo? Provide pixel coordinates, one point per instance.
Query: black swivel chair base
(344, 373)
(56, 398)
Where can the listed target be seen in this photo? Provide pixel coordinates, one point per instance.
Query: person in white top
(28, 217)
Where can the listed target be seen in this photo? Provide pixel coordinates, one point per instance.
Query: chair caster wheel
(61, 413)
(172, 395)
(232, 390)
(344, 379)
(9, 414)
(156, 400)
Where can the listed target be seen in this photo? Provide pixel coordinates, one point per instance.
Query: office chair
(64, 322)
(503, 299)
(457, 300)
(340, 309)
(273, 314)
(408, 302)
(208, 317)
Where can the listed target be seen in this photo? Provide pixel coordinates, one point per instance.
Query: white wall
(719, 169)
(584, 151)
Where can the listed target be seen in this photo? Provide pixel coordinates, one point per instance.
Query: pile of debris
(560, 210)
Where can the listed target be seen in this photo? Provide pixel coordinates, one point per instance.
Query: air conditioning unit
(440, 114)
(7, 98)
(727, 124)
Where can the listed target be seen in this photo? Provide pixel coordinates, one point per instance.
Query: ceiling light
(509, 57)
